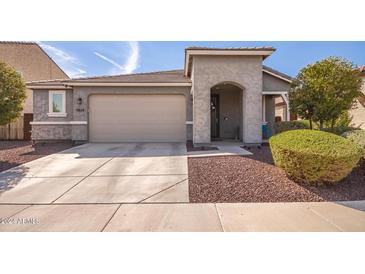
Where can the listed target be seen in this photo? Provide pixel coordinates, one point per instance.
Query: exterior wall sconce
(79, 101)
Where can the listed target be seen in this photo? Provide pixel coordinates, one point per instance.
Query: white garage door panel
(137, 118)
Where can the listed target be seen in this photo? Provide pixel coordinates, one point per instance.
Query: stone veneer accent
(51, 132)
(243, 71)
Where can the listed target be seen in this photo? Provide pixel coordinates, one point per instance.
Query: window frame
(63, 113)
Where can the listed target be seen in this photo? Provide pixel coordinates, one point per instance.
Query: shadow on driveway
(107, 150)
(12, 177)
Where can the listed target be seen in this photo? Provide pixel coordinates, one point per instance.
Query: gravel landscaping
(256, 179)
(14, 153)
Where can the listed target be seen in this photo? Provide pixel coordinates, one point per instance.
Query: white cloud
(70, 64)
(75, 72)
(130, 65)
(133, 58)
(109, 60)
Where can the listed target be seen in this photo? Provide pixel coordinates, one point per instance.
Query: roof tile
(170, 76)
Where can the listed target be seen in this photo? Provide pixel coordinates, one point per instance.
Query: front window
(57, 103)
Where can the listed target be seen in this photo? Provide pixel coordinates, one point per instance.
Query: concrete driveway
(142, 187)
(101, 173)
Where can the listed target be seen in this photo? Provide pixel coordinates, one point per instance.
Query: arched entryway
(226, 112)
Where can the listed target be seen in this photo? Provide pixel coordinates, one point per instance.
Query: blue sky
(80, 59)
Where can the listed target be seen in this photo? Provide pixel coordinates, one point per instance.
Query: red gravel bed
(256, 179)
(14, 153)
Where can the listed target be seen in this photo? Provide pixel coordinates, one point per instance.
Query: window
(57, 103)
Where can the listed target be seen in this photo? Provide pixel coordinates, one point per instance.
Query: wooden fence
(13, 131)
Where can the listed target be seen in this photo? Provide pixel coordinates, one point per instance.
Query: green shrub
(338, 130)
(358, 137)
(344, 121)
(280, 127)
(314, 156)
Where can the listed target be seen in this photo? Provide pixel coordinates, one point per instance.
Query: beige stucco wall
(281, 109)
(358, 113)
(271, 83)
(77, 112)
(41, 106)
(245, 71)
(33, 64)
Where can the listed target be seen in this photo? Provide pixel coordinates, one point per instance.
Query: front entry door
(214, 116)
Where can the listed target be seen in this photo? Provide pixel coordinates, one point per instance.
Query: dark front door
(28, 117)
(214, 116)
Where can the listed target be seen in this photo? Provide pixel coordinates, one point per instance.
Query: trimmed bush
(338, 130)
(358, 137)
(314, 156)
(280, 127)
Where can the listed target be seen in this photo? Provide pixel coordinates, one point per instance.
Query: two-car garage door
(137, 118)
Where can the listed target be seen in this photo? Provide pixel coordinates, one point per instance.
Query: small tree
(12, 94)
(323, 91)
(301, 102)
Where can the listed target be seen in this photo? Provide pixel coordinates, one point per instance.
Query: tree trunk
(333, 123)
(310, 124)
(320, 125)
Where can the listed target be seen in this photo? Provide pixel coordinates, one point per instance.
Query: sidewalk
(224, 149)
(184, 217)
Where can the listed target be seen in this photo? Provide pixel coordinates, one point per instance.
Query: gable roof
(169, 76)
(34, 44)
(233, 48)
(277, 74)
(18, 43)
(157, 78)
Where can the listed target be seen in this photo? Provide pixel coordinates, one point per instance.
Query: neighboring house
(32, 63)
(358, 112)
(221, 94)
(280, 110)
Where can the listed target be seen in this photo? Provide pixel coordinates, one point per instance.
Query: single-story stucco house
(220, 94)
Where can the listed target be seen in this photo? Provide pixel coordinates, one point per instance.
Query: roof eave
(48, 87)
(277, 75)
(70, 85)
(135, 84)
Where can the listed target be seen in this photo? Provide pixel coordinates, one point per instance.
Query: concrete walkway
(224, 149)
(101, 173)
(182, 217)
